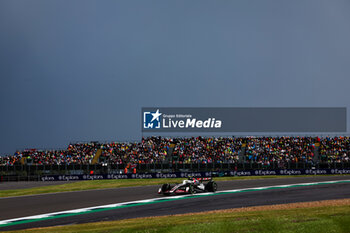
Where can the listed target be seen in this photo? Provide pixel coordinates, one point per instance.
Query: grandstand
(161, 154)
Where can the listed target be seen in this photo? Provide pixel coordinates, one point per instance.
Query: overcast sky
(81, 70)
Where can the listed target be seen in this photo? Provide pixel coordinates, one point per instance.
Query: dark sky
(81, 70)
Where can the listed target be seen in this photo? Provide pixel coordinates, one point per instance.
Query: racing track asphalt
(15, 207)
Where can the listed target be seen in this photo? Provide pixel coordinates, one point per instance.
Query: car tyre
(211, 186)
(166, 187)
(191, 189)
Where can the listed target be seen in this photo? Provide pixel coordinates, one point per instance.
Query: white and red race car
(189, 186)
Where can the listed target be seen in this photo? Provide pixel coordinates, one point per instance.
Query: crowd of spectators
(263, 150)
(150, 150)
(266, 150)
(335, 149)
(80, 153)
(208, 150)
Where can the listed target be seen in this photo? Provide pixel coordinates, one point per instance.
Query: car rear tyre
(211, 186)
(166, 187)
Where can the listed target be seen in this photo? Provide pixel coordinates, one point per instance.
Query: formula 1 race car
(189, 186)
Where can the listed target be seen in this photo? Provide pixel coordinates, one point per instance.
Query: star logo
(156, 115)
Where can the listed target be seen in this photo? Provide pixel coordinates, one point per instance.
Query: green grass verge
(315, 219)
(105, 184)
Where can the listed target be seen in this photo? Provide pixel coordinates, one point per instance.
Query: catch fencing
(127, 171)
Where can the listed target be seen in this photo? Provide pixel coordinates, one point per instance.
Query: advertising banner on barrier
(198, 174)
(243, 120)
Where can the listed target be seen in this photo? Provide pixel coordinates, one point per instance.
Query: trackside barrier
(35, 169)
(31, 172)
(198, 174)
(12, 178)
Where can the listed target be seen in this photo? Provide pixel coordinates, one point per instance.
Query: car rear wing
(204, 179)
